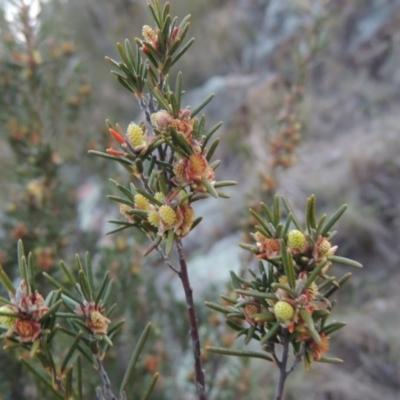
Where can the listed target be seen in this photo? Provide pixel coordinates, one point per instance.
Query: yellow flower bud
(134, 135)
(283, 311)
(296, 239)
(154, 218)
(141, 203)
(148, 33)
(168, 216)
(5, 320)
(159, 196)
(324, 247)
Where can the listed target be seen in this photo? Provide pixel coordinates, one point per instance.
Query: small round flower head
(124, 210)
(167, 216)
(161, 120)
(134, 136)
(98, 322)
(271, 247)
(27, 330)
(296, 239)
(141, 202)
(251, 309)
(324, 247)
(318, 350)
(5, 320)
(149, 33)
(197, 166)
(313, 291)
(154, 218)
(180, 171)
(283, 311)
(188, 218)
(159, 196)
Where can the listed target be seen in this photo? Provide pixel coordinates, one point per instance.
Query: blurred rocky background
(247, 52)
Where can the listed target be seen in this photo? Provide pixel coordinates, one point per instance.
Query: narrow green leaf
(315, 272)
(210, 188)
(249, 335)
(159, 97)
(154, 15)
(225, 183)
(170, 242)
(217, 307)
(178, 89)
(311, 327)
(84, 285)
(235, 281)
(238, 353)
(209, 135)
(150, 388)
(124, 190)
(334, 326)
(311, 217)
(181, 53)
(271, 333)
(102, 287)
(196, 222)
(21, 253)
(34, 370)
(68, 383)
(68, 273)
(5, 280)
(320, 224)
(89, 272)
(115, 328)
(287, 225)
(330, 360)
(257, 295)
(332, 221)
(134, 358)
(263, 317)
(344, 261)
(236, 327)
(174, 104)
(202, 105)
(290, 210)
(79, 378)
(121, 200)
(51, 311)
(261, 222)
(117, 230)
(129, 54)
(180, 142)
(277, 285)
(277, 212)
(123, 82)
(110, 157)
(340, 283)
(288, 265)
(165, 69)
(108, 291)
(124, 56)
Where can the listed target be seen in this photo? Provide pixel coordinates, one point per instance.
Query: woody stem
(194, 332)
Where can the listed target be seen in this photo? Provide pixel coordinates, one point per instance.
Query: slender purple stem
(194, 332)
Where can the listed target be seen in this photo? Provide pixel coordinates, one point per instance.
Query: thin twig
(282, 365)
(166, 260)
(194, 332)
(105, 379)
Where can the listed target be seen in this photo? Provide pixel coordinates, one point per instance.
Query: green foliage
(287, 301)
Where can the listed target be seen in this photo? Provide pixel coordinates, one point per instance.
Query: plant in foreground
(286, 304)
(169, 155)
